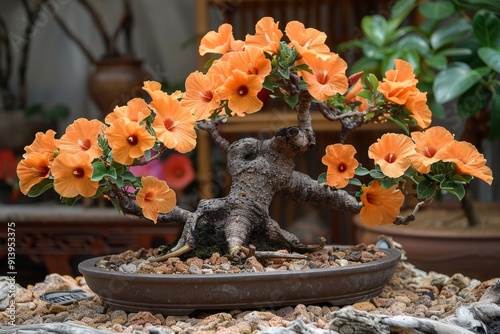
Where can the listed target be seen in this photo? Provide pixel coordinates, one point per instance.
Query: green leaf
(70, 201)
(365, 64)
(322, 178)
(478, 3)
(399, 12)
(439, 62)
(375, 29)
(454, 188)
(486, 28)
(41, 187)
(414, 42)
(426, 189)
(361, 171)
(366, 94)
(372, 82)
(376, 174)
(355, 182)
(454, 52)
(291, 100)
(491, 57)
(495, 113)
(437, 10)
(473, 100)
(388, 183)
(455, 80)
(101, 171)
(450, 33)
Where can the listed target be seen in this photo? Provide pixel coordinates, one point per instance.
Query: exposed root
(181, 251)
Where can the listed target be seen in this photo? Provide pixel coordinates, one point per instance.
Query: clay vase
(115, 81)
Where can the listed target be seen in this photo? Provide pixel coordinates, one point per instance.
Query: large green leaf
(437, 10)
(491, 57)
(495, 114)
(455, 80)
(399, 12)
(450, 33)
(486, 28)
(41, 187)
(473, 100)
(478, 3)
(375, 29)
(415, 42)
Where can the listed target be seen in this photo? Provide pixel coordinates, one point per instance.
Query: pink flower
(178, 171)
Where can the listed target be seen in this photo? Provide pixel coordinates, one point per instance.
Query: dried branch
(211, 128)
(405, 220)
(98, 22)
(71, 35)
(126, 23)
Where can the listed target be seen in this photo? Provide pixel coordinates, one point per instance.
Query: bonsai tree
(92, 158)
(454, 52)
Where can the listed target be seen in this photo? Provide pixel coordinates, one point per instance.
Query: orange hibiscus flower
(380, 205)
(151, 86)
(128, 140)
(392, 153)
(251, 61)
(155, 197)
(43, 143)
(467, 160)
(399, 83)
(267, 35)
(136, 110)
(81, 136)
(174, 124)
(72, 173)
(241, 90)
(201, 97)
(327, 78)
(417, 104)
(341, 164)
(428, 144)
(219, 42)
(32, 170)
(308, 40)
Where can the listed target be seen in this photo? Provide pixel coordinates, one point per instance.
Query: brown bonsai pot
(447, 247)
(182, 294)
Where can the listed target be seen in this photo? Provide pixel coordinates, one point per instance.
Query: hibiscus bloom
(308, 40)
(174, 124)
(251, 61)
(417, 104)
(81, 136)
(151, 86)
(43, 143)
(178, 171)
(467, 160)
(201, 97)
(72, 175)
(155, 197)
(327, 78)
(219, 42)
(128, 140)
(341, 164)
(428, 144)
(267, 35)
(241, 90)
(392, 153)
(32, 170)
(136, 110)
(399, 83)
(380, 205)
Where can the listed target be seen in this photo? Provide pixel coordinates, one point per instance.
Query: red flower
(178, 171)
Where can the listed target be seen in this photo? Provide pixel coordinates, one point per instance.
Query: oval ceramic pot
(115, 81)
(183, 294)
(476, 255)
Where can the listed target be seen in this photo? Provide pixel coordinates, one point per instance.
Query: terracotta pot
(473, 253)
(115, 81)
(183, 294)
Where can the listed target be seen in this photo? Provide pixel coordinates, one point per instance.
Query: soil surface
(142, 261)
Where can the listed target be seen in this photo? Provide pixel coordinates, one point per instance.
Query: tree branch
(211, 128)
(303, 188)
(98, 22)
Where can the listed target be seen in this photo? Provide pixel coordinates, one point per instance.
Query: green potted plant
(93, 158)
(454, 51)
